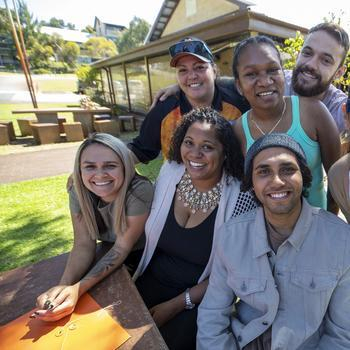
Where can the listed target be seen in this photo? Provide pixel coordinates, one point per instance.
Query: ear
(238, 86)
(340, 72)
(215, 69)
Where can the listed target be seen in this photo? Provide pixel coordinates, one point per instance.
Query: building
(131, 79)
(107, 30)
(74, 36)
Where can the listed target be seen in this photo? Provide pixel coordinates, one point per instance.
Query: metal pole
(24, 51)
(20, 54)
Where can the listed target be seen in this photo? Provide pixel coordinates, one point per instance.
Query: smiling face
(260, 76)
(202, 154)
(196, 79)
(278, 182)
(102, 171)
(318, 64)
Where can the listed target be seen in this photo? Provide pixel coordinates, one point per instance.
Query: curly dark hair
(247, 183)
(233, 163)
(254, 40)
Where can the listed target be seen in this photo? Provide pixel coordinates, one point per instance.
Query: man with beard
(281, 273)
(319, 63)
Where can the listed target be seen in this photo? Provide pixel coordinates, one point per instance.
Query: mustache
(306, 69)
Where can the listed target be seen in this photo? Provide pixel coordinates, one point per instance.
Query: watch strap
(188, 302)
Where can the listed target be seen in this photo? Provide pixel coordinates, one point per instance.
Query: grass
(35, 222)
(57, 85)
(50, 82)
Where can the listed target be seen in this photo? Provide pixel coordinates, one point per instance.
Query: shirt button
(265, 323)
(269, 254)
(239, 338)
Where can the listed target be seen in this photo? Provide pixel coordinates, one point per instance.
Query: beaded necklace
(195, 199)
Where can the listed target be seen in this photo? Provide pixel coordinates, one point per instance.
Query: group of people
(234, 247)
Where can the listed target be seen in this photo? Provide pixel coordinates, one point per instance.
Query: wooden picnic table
(20, 287)
(82, 115)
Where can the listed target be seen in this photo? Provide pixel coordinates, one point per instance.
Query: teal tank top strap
(317, 196)
(295, 115)
(296, 129)
(248, 137)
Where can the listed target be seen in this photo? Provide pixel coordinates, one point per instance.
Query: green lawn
(35, 222)
(50, 83)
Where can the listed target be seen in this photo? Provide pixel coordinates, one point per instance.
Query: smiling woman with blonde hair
(108, 202)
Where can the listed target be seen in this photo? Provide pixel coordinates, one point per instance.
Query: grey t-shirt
(138, 201)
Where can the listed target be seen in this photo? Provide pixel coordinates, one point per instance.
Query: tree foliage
(100, 47)
(87, 74)
(69, 53)
(89, 29)
(57, 23)
(134, 36)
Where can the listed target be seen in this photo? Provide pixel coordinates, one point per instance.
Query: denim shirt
(304, 294)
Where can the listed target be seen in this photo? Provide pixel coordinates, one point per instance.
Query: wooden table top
(20, 287)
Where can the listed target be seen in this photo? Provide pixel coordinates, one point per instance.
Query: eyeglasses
(191, 46)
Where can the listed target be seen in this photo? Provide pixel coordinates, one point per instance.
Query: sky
(305, 13)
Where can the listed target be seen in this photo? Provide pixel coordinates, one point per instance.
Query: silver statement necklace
(275, 126)
(195, 199)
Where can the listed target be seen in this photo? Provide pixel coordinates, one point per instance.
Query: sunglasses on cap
(195, 47)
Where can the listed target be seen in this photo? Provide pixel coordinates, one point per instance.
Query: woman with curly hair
(197, 190)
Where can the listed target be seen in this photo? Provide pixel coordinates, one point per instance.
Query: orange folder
(88, 327)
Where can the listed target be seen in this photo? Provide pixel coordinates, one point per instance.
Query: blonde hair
(85, 197)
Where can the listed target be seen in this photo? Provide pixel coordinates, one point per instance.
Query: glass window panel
(161, 73)
(106, 91)
(119, 86)
(138, 86)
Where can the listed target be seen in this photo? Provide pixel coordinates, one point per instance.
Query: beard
(305, 90)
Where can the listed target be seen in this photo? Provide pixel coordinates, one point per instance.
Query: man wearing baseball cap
(284, 267)
(196, 75)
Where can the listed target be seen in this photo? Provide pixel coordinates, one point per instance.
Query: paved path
(36, 164)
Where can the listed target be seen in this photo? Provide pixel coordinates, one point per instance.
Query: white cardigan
(169, 176)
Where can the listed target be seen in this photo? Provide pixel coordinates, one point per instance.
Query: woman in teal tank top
(258, 72)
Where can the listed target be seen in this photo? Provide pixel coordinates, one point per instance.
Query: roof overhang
(213, 31)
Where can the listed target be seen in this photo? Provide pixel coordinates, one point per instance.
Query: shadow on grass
(38, 238)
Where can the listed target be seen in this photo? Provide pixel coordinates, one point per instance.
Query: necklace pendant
(195, 199)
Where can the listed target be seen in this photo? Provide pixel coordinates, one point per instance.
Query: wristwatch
(188, 303)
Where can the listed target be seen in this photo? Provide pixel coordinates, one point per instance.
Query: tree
(69, 53)
(134, 36)
(89, 29)
(57, 23)
(100, 47)
(40, 55)
(291, 49)
(6, 39)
